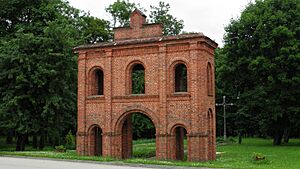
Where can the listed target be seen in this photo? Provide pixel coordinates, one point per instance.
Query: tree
(120, 12)
(38, 69)
(160, 14)
(143, 126)
(260, 59)
(95, 29)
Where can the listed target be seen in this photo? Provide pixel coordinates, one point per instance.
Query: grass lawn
(233, 155)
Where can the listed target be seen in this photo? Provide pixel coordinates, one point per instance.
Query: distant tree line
(38, 68)
(260, 63)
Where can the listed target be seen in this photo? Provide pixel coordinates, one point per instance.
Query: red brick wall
(160, 103)
(138, 28)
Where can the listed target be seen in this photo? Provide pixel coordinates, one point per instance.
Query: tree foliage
(143, 126)
(138, 82)
(260, 60)
(95, 29)
(38, 69)
(160, 14)
(121, 10)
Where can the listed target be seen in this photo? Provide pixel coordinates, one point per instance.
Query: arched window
(209, 80)
(138, 79)
(180, 78)
(97, 82)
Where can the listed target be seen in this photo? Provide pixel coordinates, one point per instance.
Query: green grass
(144, 148)
(233, 155)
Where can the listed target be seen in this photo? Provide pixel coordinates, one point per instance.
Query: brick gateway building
(178, 94)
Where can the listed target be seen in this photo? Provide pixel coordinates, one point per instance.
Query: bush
(229, 140)
(70, 141)
(60, 149)
(259, 158)
(220, 140)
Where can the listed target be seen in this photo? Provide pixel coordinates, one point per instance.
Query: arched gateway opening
(136, 128)
(95, 141)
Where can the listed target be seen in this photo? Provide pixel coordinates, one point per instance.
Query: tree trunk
(26, 139)
(34, 141)
(287, 128)
(277, 138)
(9, 138)
(21, 142)
(51, 141)
(57, 140)
(42, 142)
(240, 137)
(286, 135)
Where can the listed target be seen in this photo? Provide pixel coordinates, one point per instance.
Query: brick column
(197, 150)
(201, 137)
(214, 140)
(108, 136)
(194, 86)
(213, 146)
(81, 137)
(161, 128)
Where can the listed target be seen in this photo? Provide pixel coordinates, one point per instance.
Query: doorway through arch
(137, 127)
(180, 147)
(96, 143)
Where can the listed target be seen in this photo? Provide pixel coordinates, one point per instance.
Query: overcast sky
(209, 17)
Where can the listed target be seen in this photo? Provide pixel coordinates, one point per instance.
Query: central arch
(124, 130)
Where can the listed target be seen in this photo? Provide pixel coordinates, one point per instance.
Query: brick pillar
(80, 138)
(214, 144)
(212, 106)
(172, 146)
(194, 87)
(161, 130)
(212, 136)
(81, 144)
(197, 147)
(161, 146)
(116, 145)
(108, 136)
(107, 144)
(210, 132)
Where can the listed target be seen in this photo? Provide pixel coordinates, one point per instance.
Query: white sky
(209, 16)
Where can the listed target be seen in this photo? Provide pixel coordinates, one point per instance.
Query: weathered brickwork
(144, 44)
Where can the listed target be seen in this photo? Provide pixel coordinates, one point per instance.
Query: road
(27, 163)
